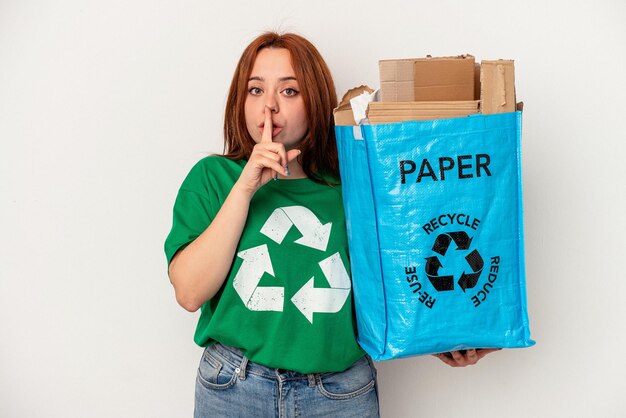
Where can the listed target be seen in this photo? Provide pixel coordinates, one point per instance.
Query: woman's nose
(271, 103)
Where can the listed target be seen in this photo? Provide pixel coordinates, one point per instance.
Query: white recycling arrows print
(314, 234)
(308, 299)
(256, 261)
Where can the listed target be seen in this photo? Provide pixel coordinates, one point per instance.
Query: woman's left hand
(465, 357)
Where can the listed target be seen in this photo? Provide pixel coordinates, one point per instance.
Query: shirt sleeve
(193, 212)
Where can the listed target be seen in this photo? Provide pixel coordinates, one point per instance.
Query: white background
(105, 106)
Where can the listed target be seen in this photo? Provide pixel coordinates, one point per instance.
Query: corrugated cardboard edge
(477, 80)
(426, 58)
(390, 112)
(343, 112)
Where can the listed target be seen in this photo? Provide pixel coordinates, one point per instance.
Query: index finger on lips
(267, 126)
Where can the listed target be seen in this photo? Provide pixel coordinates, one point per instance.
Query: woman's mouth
(275, 129)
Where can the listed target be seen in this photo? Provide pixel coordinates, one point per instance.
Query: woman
(259, 243)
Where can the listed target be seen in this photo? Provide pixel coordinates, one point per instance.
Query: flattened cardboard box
(428, 79)
(444, 79)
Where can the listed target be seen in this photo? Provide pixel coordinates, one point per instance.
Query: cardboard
(428, 79)
(477, 81)
(343, 112)
(497, 80)
(445, 78)
(436, 88)
(390, 112)
(396, 80)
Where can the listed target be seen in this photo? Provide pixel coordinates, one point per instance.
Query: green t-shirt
(287, 300)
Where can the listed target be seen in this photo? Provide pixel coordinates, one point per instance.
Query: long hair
(319, 149)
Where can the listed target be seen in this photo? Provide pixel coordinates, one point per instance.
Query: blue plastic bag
(434, 215)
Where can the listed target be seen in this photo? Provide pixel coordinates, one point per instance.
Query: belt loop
(242, 368)
(312, 380)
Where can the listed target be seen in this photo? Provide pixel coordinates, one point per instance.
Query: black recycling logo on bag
(453, 260)
(466, 279)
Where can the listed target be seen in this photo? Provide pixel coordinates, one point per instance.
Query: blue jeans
(228, 385)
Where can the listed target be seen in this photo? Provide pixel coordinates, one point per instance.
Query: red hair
(319, 150)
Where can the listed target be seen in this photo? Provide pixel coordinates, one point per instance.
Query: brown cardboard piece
(497, 80)
(477, 81)
(390, 112)
(396, 80)
(427, 79)
(343, 112)
(444, 78)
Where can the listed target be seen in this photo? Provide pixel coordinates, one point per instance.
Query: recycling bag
(434, 218)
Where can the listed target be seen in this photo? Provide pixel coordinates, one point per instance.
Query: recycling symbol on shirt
(308, 299)
(467, 279)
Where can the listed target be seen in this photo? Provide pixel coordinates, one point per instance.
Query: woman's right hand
(268, 160)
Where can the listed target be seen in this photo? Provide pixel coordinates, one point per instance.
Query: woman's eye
(290, 92)
(255, 91)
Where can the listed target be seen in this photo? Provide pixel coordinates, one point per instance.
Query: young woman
(259, 243)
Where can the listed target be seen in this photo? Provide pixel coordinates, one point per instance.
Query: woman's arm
(199, 270)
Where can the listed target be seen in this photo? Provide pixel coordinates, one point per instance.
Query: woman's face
(273, 83)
